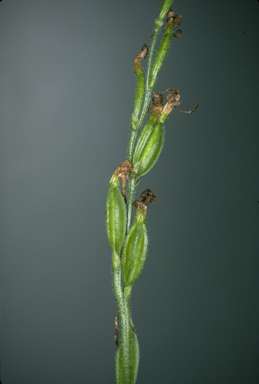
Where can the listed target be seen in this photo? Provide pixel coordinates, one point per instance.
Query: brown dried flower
(143, 54)
(123, 171)
(147, 197)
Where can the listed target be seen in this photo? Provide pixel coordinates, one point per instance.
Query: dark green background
(66, 96)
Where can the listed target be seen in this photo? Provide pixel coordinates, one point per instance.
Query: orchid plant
(129, 242)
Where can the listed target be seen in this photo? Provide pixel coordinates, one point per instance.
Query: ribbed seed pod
(152, 149)
(115, 216)
(139, 95)
(144, 136)
(135, 249)
(162, 52)
(140, 89)
(134, 361)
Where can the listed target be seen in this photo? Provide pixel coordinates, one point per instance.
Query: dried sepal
(157, 103)
(191, 111)
(173, 98)
(123, 171)
(170, 18)
(178, 33)
(147, 197)
(177, 19)
(143, 54)
(173, 19)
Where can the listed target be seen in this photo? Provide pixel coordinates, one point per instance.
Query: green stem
(130, 197)
(131, 144)
(123, 304)
(123, 297)
(147, 98)
(134, 132)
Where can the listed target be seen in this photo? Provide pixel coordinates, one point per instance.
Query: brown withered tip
(158, 99)
(143, 53)
(140, 205)
(177, 19)
(173, 95)
(178, 33)
(123, 171)
(147, 197)
(191, 111)
(170, 14)
(169, 18)
(173, 19)
(157, 103)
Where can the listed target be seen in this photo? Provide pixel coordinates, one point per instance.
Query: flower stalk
(129, 243)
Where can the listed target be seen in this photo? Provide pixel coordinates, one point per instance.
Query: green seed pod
(144, 136)
(134, 361)
(152, 149)
(162, 51)
(140, 89)
(116, 216)
(139, 95)
(135, 249)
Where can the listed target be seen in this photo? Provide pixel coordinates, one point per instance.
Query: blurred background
(66, 97)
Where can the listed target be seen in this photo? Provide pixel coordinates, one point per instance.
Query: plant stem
(130, 197)
(148, 92)
(123, 304)
(134, 132)
(143, 99)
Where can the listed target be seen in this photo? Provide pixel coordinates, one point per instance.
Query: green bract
(135, 250)
(152, 149)
(134, 360)
(115, 216)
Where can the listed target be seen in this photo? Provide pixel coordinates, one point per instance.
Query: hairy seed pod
(140, 89)
(152, 149)
(115, 216)
(161, 52)
(135, 249)
(134, 360)
(144, 136)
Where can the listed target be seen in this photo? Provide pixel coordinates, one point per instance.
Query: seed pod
(162, 50)
(152, 149)
(140, 89)
(135, 248)
(115, 215)
(144, 136)
(134, 360)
